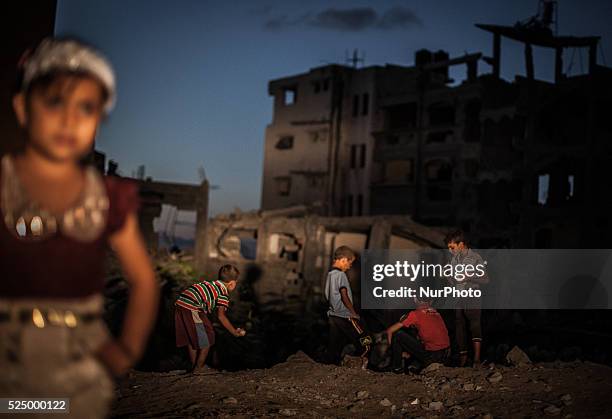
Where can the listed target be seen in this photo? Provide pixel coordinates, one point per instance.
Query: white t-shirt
(336, 279)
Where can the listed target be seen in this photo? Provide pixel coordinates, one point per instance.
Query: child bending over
(194, 304)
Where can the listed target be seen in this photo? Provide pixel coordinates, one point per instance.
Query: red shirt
(59, 266)
(430, 325)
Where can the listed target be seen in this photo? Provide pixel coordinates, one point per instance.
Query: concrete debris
(436, 406)
(386, 402)
(495, 377)
(516, 356)
(552, 410)
(363, 394)
(566, 399)
(431, 368)
(352, 361)
(445, 387)
(229, 400)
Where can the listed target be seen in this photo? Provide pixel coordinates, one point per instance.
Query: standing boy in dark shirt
(467, 312)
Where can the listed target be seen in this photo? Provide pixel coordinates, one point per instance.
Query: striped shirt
(204, 296)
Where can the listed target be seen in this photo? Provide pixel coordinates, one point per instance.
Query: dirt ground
(301, 387)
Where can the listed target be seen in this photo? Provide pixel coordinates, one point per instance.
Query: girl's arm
(141, 311)
(227, 324)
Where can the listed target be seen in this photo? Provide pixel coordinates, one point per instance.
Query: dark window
(402, 116)
(353, 156)
(284, 143)
(471, 168)
(325, 85)
(543, 238)
(441, 114)
(283, 186)
(359, 205)
(316, 86)
(349, 205)
(438, 136)
(506, 129)
(289, 95)
(288, 247)
(392, 139)
(399, 171)
(438, 171)
(315, 181)
(471, 134)
(366, 104)
(438, 193)
(362, 160)
(355, 105)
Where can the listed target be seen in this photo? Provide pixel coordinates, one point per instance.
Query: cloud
(284, 22)
(356, 19)
(349, 20)
(399, 17)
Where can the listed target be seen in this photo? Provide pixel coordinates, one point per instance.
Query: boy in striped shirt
(193, 327)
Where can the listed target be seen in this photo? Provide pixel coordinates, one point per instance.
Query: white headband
(68, 55)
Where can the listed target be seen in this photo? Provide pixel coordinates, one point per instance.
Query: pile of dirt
(301, 387)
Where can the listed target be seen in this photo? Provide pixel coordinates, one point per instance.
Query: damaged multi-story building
(516, 163)
(319, 147)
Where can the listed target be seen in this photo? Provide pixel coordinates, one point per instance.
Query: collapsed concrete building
(153, 194)
(286, 254)
(514, 163)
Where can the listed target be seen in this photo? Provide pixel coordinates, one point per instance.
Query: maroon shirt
(59, 266)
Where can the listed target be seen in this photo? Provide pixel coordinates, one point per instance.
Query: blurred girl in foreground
(57, 219)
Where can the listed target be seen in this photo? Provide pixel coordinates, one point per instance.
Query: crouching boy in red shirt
(432, 344)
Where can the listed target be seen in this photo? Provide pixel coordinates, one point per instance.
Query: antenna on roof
(355, 59)
(204, 178)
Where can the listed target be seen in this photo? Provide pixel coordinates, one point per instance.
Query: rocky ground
(301, 387)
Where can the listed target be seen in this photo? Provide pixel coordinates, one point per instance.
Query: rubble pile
(301, 387)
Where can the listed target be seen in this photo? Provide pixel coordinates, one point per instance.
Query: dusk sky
(192, 75)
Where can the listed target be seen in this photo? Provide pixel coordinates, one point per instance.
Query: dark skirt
(198, 336)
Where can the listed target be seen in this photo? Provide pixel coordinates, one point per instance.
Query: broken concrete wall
(184, 197)
(285, 259)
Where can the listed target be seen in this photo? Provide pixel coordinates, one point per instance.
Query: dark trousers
(405, 342)
(343, 331)
(466, 317)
